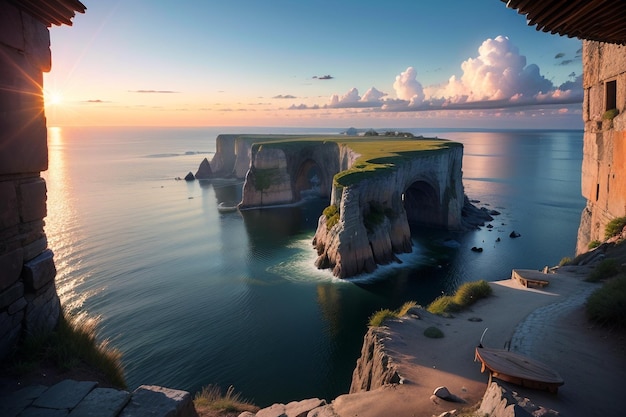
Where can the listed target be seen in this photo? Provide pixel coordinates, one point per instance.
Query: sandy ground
(547, 324)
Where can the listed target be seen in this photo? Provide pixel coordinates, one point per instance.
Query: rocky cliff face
(372, 220)
(374, 368)
(604, 151)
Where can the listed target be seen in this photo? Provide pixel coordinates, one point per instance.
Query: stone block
(32, 200)
(42, 311)
(39, 271)
(19, 305)
(10, 331)
(9, 214)
(37, 43)
(150, 400)
(11, 30)
(65, 395)
(11, 295)
(10, 268)
(13, 404)
(23, 144)
(102, 402)
(35, 248)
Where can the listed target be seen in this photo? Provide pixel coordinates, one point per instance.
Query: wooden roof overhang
(595, 20)
(51, 12)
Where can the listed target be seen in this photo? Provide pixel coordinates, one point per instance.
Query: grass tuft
(607, 305)
(72, 345)
(377, 319)
(466, 295)
(212, 398)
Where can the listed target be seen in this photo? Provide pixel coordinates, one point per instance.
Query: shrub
(607, 305)
(593, 244)
(605, 269)
(433, 333)
(211, 398)
(614, 227)
(610, 114)
(566, 260)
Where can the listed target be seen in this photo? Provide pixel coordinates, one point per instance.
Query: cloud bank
(498, 77)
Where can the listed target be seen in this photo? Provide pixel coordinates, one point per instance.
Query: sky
(311, 63)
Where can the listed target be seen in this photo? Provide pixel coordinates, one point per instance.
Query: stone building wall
(28, 298)
(604, 152)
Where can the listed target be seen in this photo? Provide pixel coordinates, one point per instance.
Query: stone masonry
(28, 299)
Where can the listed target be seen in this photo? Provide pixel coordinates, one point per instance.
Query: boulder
(514, 234)
(189, 177)
(204, 170)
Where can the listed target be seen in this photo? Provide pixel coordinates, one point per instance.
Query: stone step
(83, 398)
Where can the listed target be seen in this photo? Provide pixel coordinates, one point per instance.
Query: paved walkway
(85, 398)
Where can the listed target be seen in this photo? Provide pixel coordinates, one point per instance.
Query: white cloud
(408, 88)
(497, 78)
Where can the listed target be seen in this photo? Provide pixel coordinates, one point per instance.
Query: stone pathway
(84, 398)
(527, 332)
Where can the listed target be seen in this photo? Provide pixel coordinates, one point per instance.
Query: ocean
(193, 297)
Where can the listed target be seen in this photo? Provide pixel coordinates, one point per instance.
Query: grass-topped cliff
(376, 154)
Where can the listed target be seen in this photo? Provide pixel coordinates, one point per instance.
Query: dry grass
(211, 402)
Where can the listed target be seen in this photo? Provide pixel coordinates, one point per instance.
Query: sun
(52, 98)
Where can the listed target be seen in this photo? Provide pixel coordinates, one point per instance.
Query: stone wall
(28, 297)
(604, 152)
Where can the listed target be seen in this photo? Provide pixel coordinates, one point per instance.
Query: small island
(376, 185)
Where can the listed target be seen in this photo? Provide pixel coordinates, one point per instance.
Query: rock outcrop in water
(373, 197)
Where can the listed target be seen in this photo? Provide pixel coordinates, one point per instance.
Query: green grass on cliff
(466, 295)
(378, 154)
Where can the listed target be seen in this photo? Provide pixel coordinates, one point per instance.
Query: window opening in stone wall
(597, 191)
(611, 95)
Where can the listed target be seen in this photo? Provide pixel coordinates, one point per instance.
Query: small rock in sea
(494, 212)
(498, 239)
(489, 226)
(189, 177)
(475, 319)
(514, 234)
(476, 249)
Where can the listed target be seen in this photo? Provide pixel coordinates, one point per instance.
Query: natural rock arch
(422, 204)
(309, 177)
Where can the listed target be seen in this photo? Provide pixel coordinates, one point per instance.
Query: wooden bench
(530, 278)
(527, 282)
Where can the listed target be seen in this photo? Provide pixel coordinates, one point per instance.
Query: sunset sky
(306, 63)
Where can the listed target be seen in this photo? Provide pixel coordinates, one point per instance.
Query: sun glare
(52, 98)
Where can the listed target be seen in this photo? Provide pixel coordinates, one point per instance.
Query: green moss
(332, 216)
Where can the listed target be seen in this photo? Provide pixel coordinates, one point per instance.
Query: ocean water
(194, 297)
